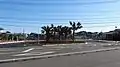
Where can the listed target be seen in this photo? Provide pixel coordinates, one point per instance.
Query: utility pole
(24, 34)
(38, 36)
(115, 34)
(101, 37)
(13, 36)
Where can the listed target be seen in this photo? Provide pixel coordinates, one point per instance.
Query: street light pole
(115, 34)
(38, 35)
(24, 34)
(13, 36)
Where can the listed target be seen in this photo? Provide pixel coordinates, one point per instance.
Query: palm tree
(75, 27)
(47, 31)
(1, 28)
(100, 35)
(8, 32)
(53, 30)
(0, 33)
(66, 30)
(60, 31)
(7, 35)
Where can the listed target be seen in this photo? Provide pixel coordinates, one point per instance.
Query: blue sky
(30, 15)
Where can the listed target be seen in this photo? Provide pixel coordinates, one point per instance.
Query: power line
(55, 19)
(57, 2)
(15, 25)
(44, 15)
(34, 23)
(60, 18)
(41, 26)
(37, 24)
(99, 26)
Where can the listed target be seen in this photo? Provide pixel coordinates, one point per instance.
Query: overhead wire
(57, 2)
(11, 25)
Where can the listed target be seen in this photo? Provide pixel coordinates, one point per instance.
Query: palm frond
(74, 24)
(1, 28)
(70, 23)
(52, 25)
(78, 24)
(42, 31)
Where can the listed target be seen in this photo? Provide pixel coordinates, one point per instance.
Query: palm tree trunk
(73, 35)
(47, 37)
(59, 37)
(54, 36)
(65, 36)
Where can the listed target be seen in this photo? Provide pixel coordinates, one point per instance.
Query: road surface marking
(7, 49)
(29, 50)
(86, 43)
(49, 45)
(94, 44)
(109, 44)
(58, 45)
(4, 53)
(54, 49)
(32, 54)
(12, 42)
(39, 48)
(55, 55)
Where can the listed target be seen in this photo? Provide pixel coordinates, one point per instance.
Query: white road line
(49, 45)
(57, 45)
(39, 48)
(5, 50)
(8, 49)
(32, 54)
(86, 43)
(28, 50)
(109, 44)
(12, 42)
(48, 52)
(56, 55)
(21, 54)
(55, 49)
(94, 44)
(4, 53)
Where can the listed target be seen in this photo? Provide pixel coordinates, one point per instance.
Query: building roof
(118, 30)
(112, 32)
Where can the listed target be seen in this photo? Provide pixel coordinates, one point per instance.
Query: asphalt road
(101, 59)
(21, 52)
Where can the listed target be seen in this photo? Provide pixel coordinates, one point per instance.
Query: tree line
(8, 36)
(52, 32)
(61, 32)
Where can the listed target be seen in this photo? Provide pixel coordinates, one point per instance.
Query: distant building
(34, 36)
(109, 35)
(113, 35)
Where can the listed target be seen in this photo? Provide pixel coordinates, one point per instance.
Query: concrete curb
(56, 55)
(56, 45)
